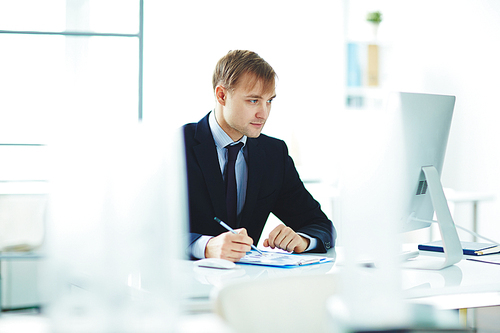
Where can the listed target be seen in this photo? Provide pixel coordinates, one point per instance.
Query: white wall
(446, 46)
(453, 47)
(303, 42)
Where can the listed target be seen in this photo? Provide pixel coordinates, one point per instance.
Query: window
(65, 64)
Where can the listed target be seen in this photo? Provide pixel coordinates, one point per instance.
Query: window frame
(139, 35)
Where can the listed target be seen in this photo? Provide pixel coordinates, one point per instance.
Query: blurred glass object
(117, 227)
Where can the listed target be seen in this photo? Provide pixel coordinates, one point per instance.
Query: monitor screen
(422, 126)
(391, 177)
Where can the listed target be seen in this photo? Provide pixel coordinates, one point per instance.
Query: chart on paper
(282, 259)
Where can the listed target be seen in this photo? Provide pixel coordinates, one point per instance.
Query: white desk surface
(200, 283)
(467, 284)
(193, 323)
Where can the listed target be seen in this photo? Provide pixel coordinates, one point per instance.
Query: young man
(264, 176)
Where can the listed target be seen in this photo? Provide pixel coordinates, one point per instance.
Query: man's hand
(229, 246)
(285, 238)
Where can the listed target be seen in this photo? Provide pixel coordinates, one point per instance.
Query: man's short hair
(235, 63)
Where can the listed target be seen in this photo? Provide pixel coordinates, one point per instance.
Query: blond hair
(235, 63)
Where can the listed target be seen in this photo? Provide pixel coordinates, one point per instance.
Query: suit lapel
(254, 157)
(206, 155)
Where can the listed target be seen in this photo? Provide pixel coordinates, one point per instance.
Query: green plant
(374, 17)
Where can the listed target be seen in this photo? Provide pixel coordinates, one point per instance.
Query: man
(264, 176)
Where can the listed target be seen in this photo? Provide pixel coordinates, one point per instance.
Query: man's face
(245, 109)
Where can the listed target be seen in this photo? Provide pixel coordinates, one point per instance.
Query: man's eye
(253, 101)
(270, 101)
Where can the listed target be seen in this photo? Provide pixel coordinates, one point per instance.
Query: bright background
(444, 47)
(53, 82)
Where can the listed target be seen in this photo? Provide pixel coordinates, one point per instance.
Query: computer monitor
(393, 181)
(423, 124)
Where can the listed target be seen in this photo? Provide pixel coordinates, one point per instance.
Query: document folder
(469, 248)
(285, 260)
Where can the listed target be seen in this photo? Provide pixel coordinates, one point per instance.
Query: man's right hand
(229, 246)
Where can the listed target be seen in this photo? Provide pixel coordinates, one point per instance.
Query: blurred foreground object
(117, 223)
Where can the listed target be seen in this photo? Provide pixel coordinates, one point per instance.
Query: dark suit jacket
(273, 186)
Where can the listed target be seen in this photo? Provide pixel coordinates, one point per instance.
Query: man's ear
(221, 95)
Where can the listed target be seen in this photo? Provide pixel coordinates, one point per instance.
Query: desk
(467, 284)
(200, 283)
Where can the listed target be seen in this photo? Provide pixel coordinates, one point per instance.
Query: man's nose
(263, 112)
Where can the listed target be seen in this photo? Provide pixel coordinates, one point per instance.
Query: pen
(309, 261)
(489, 250)
(234, 232)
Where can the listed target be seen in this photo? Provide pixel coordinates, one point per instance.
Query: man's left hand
(285, 238)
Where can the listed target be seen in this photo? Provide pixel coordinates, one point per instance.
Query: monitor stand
(451, 243)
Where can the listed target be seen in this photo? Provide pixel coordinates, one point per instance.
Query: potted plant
(374, 18)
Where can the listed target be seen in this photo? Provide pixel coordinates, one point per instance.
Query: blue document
(285, 260)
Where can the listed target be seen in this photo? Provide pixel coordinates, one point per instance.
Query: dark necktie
(231, 194)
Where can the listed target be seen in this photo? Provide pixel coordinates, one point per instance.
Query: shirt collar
(221, 138)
